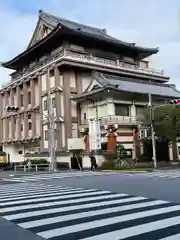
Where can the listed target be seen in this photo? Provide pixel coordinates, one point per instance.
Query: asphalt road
(165, 189)
(42, 209)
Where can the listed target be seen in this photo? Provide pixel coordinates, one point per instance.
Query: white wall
(45, 128)
(44, 83)
(36, 89)
(86, 79)
(63, 135)
(72, 79)
(52, 81)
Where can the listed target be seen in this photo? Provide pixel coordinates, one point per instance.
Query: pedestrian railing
(125, 163)
(32, 167)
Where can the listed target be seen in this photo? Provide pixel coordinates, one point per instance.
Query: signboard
(75, 144)
(94, 135)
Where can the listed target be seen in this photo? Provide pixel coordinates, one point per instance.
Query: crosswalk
(166, 174)
(58, 213)
(50, 176)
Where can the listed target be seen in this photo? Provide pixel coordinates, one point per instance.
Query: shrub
(36, 161)
(62, 165)
(108, 165)
(110, 156)
(144, 165)
(144, 158)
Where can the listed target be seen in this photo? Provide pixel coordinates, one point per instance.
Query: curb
(127, 171)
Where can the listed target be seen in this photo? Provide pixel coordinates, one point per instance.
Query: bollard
(24, 168)
(15, 168)
(36, 168)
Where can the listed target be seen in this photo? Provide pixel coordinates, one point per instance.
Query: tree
(166, 121)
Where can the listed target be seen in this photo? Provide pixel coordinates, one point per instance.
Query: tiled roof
(141, 86)
(89, 32)
(53, 21)
(125, 84)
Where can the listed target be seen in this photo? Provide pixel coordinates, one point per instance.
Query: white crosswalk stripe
(56, 212)
(173, 174)
(60, 175)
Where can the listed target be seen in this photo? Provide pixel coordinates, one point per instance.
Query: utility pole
(152, 130)
(51, 120)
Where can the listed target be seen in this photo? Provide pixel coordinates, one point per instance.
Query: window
(144, 64)
(21, 100)
(14, 120)
(140, 112)
(21, 127)
(51, 73)
(46, 135)
(45, 105)
(30, 125)
(29, 97)
(54, 102)
(122, 110)
(29, 116)
(20, 152)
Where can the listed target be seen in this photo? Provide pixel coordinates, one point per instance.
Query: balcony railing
(82, 58)
(121, 120)
(86, 58)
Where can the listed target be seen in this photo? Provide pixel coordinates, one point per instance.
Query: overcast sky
(154, 23)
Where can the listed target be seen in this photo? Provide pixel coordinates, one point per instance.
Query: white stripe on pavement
(49, 204)
(34, 192)
(137, 230)
(105, 222)
(173, 237)
(55, 198)
(48, 221)
(49, 176)
(53, 212)
(54, 193)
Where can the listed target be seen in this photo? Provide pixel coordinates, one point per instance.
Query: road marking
(57, 212)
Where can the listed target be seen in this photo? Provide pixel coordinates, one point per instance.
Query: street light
(152, 130)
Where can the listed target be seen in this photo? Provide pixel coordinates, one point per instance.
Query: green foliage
(143, 158)
(36, 161)
(166, 121)
(62, 165)
(110, 156)
(108, 165)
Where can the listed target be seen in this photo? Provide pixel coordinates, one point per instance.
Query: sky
(154, 23)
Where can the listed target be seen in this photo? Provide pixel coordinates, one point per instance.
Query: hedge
(60, 165)
(111, 165)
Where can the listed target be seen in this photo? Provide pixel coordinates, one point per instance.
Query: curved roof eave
(116, 41)
(40, 42)
(56, 29)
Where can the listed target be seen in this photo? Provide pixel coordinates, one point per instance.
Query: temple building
(86, 73)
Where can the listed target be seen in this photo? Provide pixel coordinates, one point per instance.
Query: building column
(40, 116)
(79, 90)
(33, 114)
(25, 97)
(1, 120)
(12, 136)
(67, 106)
(137, 143)
(58, 109)
(18, 121)
(6, 97)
